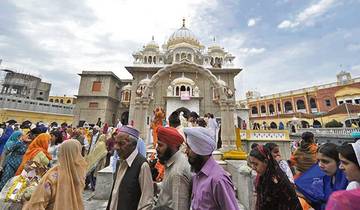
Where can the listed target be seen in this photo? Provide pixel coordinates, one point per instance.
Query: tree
(333, 124)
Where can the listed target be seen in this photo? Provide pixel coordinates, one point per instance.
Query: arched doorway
(145, 102)
(184, 110)
(281, 126)
(304, 124)
(316, 124)
(125, 118)
(273, 125)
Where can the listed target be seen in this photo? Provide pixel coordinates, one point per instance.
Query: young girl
(273, 188)
(275, 152)
(349, 155)
(334, 179)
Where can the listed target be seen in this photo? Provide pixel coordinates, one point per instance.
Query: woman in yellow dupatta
(63, 185)
(97, 157)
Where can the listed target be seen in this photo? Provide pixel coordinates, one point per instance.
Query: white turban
(356, 147)
(200, 140)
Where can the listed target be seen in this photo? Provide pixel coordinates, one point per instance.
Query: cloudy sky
(280, 44)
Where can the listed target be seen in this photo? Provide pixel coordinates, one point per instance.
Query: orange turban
(170, 136)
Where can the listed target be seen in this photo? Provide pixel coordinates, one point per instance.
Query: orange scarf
(39, 144)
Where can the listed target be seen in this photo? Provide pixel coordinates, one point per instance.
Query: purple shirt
(213, 189)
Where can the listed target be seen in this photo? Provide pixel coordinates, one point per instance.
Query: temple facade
(181, 75)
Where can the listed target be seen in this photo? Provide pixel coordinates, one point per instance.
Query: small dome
(152, 44)
(215, 46)
(126, 87)
(183, 80)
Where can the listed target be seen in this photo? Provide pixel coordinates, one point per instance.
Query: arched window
(188, 89)
(271, 109)
(56, 100)
(150, 59)
(154, 59)
(288, 106)
(300, 104)
(254, 110)
(316, 124)
(189, 57)
(313, 103)
(177, 57)
(145, 59)
(127, 96)
(51, 100)
(61, 101)
(263, 109)
(183, 56)
(177, 92)
(273, 125)
(182, 88)
(68, 101)
(279, 107)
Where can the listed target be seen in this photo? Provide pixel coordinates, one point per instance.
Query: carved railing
(264, 135)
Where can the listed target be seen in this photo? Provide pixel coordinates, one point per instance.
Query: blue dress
(3, 139)
(317, 187)
(13, 160)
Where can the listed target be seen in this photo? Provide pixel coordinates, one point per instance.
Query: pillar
(227, 124)
(141, 110)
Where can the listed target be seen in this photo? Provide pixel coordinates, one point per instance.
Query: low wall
(243, 178)
(279, 137)
(284, 146)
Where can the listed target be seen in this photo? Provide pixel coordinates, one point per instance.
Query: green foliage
(333, 124)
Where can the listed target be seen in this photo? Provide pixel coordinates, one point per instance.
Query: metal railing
(330, 131)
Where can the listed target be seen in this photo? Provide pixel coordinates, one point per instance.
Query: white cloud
(253, 21)
(308, 15)
(353, 47)
(356, 68)
(251, 51)
(91, 35)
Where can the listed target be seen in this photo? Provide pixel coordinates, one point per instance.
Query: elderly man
(212, 188)
(175, 188)
(133, 187)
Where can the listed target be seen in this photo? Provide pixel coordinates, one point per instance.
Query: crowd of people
(49, 167)
(316, 177)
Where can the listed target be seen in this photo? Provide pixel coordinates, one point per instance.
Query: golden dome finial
(183, 22)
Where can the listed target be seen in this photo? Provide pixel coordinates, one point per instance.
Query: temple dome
(183, 35)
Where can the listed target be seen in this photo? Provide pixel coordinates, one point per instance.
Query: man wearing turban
(212, 188)
(133, 187)
(175, 188)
